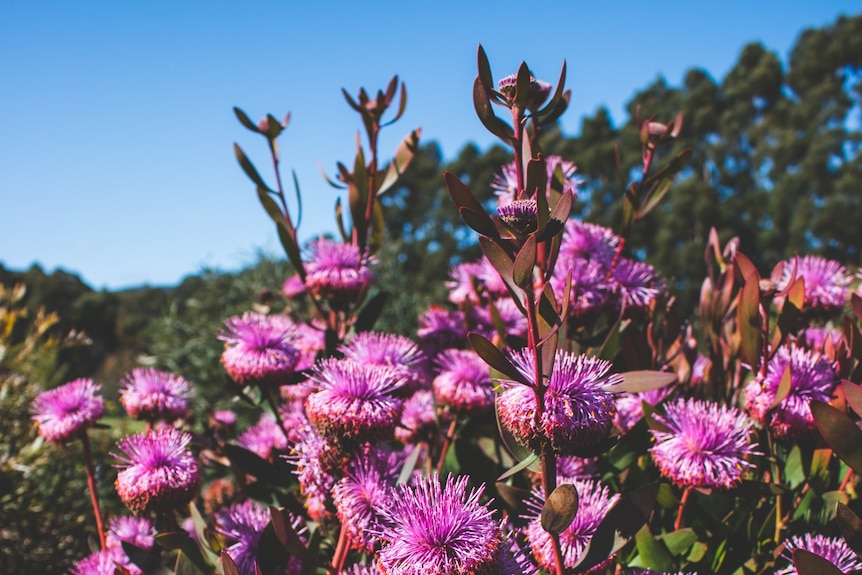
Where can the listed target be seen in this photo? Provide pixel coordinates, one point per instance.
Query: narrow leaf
(851, 527)
(641, 380)
(403, 156)
(525, 261)
(783, 387)
(530, 460)
(248, 167)
(513, 496)
(749, 320)
(840, 433)
(245, 120)
(370, 312)
(229, 566)
(409, 465)
(853, 394)
(651, 552)
(489, 119)
(494, 357)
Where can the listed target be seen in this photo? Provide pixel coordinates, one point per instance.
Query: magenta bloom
(259, 349)
(139, 531)
(573, 467)
(263, 437)
(242, 525)
(360, 495)
(637, 284)
(441, 329)
(582, 240)
(152, 395)
(355, 401)
(388, 349)
(826, 282)
(630, 405)
(102, 562)
(811, 377)
(505, 183)
(64, 412)
(337, 272)
(315, 461)
(594, 502)
(437, 530)
(520, 215)
(707, 444)
(418, 419)
(592, 291)
(832, 549)
(158, 472)
(464, 383)
(293, 287)
(578, 412)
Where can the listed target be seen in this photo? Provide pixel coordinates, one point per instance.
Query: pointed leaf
(249, 168)
(403, 156)
(478, 222)
(230, 567)
(484, 70)
(522, 86)
(853, 394)
(556, 98)
(531, 460)
(651, 552)
(783, 387)
(560, 508)
(489, 119)
(749, 320)
(641, 380)
(525, 262)
(840, 433)
(298, 198)
(331, 182)
(494, 357)
(808, 563)
(351, 102)
(409, 465)
(513, 496)
(245, 120)
(287, 535)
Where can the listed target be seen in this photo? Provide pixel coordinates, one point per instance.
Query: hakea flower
(418, 419)
(434, 529)
(591, 291)
(63, 413)
(242, 525)
(594, 502)
(355, 401)
(157, 471)
(651, 572)
(264, 437)
(388, 349)
(259, 349)
(586, 241)
(103, 562)
(149, 394)
(630, 405)
(309, 340)
(139, 531)
(826, 282)
(464, 382)
(505, 183)
(811, 377)
(833, 549)
(337, 272)
(705, 445)
(315, 459)
(441, 329)
(636, 284)
(363, 491)
(520, 215)
(293, 287)
(577, 413)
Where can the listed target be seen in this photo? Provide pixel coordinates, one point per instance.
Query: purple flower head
(818, 338)
(242, 525)
(706, 444)
(505, 183)
(418, 419)
(573, 467)
(582, 240)
(158, 472)
(464, 383)
(355, 401)
(259, 349)
(700, 369)
(64, 412)
(513, 320)
(637, 284)
(152, 395)
(224, 417)
(832, 549)
(103, 562)
(441, 329)
(811, 377)
(538, 91)
(309, 340)
(463, 283)
(139, 531)
(360, 495)
(293, 287)
(578, 412)
(263, 437)
(315, 463)
(594, 502)
(337, 272)
(826, 282)
(434, 529)
(520, 215)
(591, 291)
(388, 349)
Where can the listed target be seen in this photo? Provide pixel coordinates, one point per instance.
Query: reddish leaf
(525, 261)
(840, 433)
(783, 387)
(853, 394)
(808, 563)
(494, 357)
(851, 527)
(749, 321)
(643, 380)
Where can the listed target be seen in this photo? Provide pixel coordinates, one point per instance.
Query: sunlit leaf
(651, 552)
(840, 433)
(641, 380)
(525, 261)
(403, 156)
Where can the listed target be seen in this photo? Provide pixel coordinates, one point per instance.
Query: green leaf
(249, 168)
(620, 524)
(403, 156)
(851, 527)
(245, 120)
(529, 461)
(494, 357)
(651, 553)
(808, 563)
(525, 262)
(513, 496)
(840, 433)
(409, 465)
(679, 542)
(641, 380)
(560, 508)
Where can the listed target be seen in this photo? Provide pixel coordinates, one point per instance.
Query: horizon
(118, 131)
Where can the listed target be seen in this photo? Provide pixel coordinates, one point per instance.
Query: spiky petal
(151, 395)
(259, 349)
(64, 412)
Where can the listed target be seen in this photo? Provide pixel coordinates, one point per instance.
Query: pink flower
(63, 413)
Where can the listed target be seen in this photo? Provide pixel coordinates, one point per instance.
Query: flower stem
(677, 525)
(91, 483)
(447, 441)
(340, 555)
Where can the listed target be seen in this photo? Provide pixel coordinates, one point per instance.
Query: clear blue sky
(116, 128)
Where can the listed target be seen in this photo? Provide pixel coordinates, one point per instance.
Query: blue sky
(116, 128)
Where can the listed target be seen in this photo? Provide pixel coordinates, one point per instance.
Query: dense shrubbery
(554, 409)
